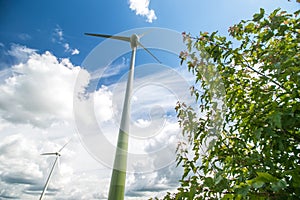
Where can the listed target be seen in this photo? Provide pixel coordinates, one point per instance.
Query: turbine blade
(142, 35)
(149, 52)
(59, 166)
(46, 154)
(127, 39)
(145, 33)
(63, 146)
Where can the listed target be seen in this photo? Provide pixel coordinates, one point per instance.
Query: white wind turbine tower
(57, 155)
(117, 183)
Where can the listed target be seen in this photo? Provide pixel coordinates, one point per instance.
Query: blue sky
(33, 23)
(45, 57)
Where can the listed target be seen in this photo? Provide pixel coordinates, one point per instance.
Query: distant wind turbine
(57, 154)
(117, 183)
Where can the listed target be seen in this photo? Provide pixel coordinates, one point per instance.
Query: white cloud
(20, 165)
(4, 74)
(20, 53)
(41, 91)
(58, 37)
(110, 71)
(58, 33)
(24, 36)
(164, 179)
(75, 51)
(103, 104)
(23, 171)
(37, 95)
(141, 7)
(67, 47)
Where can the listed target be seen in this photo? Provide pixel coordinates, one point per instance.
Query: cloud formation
(141, 7)
(20, 166)
(36, 116)
(23, 171)
(20, 53)
(41, 90)
(58, 37)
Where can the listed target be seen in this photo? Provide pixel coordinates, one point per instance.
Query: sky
(59, 85)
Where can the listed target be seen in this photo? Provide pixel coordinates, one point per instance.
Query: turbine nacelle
(134, 41)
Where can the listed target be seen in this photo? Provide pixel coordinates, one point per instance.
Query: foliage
(251, 141)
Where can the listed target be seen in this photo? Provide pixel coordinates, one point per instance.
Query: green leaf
(228, 197)
(242, 190)
(258, 184)
(276, 118)
(257, 133)
(266, 177)
(208, 182)
(218, 179)
(281, 184)
(259, 16)
(267, 36)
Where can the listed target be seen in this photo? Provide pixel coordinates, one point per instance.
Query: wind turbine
(117, 183)
(57, 154)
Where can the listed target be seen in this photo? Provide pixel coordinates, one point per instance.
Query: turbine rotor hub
(134, 41)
